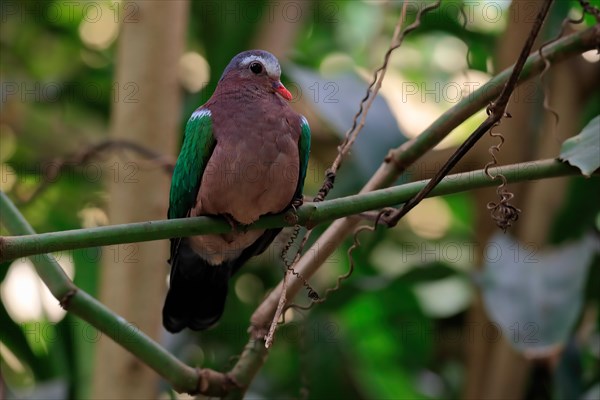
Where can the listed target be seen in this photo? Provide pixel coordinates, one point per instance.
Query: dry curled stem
(503, 213)
(344, 148)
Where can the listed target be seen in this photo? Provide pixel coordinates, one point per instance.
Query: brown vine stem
(278, 311)
(346, 145)
(496, 111)
(372, 91)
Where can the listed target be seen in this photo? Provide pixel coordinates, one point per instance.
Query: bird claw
(291, 215)
(297, 202)
(232, 222)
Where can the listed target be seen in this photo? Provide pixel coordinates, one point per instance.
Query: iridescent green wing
(198, 145)
(304, 149)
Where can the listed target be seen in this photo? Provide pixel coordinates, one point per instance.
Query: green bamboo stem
(181, 376)
(407, 154)
(250, 362)
(309, 214)
(46, 266)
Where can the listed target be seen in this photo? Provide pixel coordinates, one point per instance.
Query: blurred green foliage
(380, 335)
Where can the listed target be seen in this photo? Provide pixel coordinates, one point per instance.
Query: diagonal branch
(77, 301)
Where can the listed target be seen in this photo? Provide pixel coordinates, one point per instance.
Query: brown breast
(254, 168)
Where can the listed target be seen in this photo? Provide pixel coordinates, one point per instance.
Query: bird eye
(257, 68)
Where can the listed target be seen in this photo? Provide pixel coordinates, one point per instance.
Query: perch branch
(310, 214)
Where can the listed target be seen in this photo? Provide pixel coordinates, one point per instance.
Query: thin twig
(371, 94)
(355, 245)
(89, 153)
(278, 311)
(464, 30)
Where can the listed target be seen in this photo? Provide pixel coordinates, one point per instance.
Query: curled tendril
(503, 213)
(327, 185)
(465, 19)
(547, 65)
(290, 265)
(340, 279)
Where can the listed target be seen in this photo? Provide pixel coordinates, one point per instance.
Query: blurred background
(95, 96)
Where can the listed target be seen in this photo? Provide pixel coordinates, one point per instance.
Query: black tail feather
(198, 290)
(196, 297)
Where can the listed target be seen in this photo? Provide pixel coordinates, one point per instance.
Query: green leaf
(578, 212)
(388, 336)
(536, 296)
(583, 150)
(12, 336)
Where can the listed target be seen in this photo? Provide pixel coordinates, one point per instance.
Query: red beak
(279, 88)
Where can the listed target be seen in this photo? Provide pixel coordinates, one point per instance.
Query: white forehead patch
(272, 66)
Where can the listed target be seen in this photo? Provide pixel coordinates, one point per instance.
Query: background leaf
(534, 296)
(583, 150)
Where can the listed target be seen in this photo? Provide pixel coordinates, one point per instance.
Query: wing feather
(304, 150)
(198, 145)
